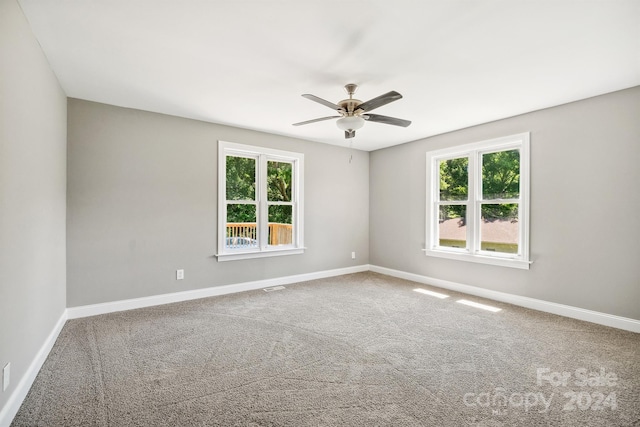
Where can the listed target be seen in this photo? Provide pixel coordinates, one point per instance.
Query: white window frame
(472, 252)
(262, 155)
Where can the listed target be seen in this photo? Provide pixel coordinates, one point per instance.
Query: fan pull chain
(350, 151)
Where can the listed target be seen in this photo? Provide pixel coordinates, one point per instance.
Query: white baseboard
(536, 304)
(12, 406)
(625, 323)
(129, 304)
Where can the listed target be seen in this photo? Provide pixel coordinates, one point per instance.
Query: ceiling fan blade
(379, 101)
(349, 134)
(386, 120)
(315, 120)
(323, 102)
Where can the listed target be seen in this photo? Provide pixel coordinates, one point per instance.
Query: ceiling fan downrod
(350, 105)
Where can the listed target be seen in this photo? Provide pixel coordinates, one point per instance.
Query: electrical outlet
(179, 274)
(353, 255)
(6, 371)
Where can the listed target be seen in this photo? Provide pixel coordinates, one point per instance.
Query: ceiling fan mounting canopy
(353, 112)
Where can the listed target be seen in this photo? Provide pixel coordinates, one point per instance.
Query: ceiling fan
(353, 112)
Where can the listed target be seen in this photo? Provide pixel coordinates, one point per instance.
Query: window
(478, 202)
(260, 207)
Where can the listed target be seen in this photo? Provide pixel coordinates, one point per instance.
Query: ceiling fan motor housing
(349, 106)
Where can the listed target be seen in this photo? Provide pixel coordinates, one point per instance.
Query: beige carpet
(355, 350)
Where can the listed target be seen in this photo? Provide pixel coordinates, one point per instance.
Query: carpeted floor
(355, 350)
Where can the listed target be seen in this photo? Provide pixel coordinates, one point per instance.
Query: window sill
(234, 256)
(480, 259)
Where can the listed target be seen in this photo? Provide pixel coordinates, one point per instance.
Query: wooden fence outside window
(279, 234)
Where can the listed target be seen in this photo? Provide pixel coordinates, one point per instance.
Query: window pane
(279, 181)
(280, 225)
(454, 179)
(241, 178)
(501, 175)
(499, 229)
(452, 226)
(241, 227)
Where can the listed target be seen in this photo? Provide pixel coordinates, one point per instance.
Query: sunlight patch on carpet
(478, 305)
(431, 293)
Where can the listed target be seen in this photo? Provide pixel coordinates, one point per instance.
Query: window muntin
(259, 202)
(478, 202)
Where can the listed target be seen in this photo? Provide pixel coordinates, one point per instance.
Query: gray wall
(32, 195)
(585, 196)
(142, 202)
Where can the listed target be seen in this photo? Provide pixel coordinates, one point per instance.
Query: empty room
(319, 213)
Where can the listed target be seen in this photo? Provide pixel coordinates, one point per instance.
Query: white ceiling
(246, 62)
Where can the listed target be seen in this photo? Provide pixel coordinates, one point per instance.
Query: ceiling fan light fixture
(350, 123)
